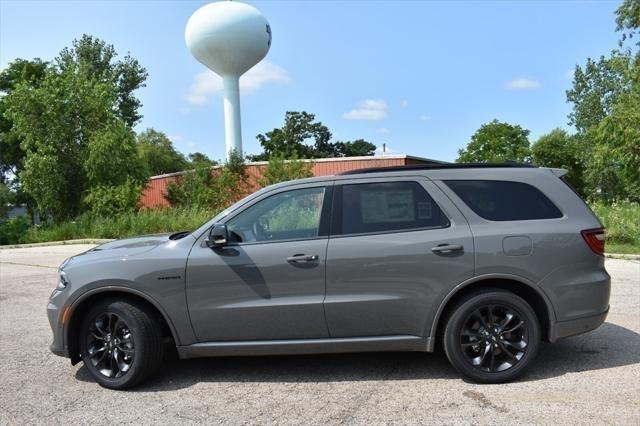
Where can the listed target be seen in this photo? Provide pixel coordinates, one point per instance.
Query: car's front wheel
(121, 343)
(492, 336)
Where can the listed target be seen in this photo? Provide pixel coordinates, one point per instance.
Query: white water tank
(229, 38)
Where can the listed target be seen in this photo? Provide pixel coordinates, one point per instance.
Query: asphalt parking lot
(593, 378)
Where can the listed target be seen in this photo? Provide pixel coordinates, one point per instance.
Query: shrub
(14, 230)
(212, 189)
(622, 221)
(281, 170)
(108, 201)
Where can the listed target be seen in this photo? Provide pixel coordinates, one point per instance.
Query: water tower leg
(232, 132)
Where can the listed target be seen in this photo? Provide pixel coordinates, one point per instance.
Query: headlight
(62, 280)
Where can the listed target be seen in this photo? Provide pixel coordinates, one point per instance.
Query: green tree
(112, 157)
(559, 149)
(293, 138)
(196, 158)
(497, 142)
(606, 107)
(357, 148)
(303, 137)
(158, 153)
(95, 59)
(209, 188)
(280, 169)
(18, 72)
(613, 167)
(80, 94)
(628, 20)
(596, 88)
(7, 199)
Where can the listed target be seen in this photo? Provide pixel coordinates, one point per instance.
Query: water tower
(229, 38)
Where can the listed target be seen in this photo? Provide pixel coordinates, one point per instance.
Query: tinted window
(389, 206)
(284, 216)
(501, 200)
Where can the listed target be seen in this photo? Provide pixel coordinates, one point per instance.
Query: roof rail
(506, 164)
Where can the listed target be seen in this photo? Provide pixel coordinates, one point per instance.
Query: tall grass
(622, 220)
(125, 225)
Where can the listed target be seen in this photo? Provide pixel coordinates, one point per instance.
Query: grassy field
(622, 221)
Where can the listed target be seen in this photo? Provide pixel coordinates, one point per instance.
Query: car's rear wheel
(492, 336)
(120, 343)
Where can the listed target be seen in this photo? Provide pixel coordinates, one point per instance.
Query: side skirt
(306, 346)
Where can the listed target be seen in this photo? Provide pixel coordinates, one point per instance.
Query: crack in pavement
(29, 264)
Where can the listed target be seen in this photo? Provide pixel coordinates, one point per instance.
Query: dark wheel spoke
(513, 345)
(128, 351)
(102, 356)
(505, 350)
(508, 317)
(494, 338)
(97, 336)
(514, 328)
(478, 314)
(492, 362)
(484, 354)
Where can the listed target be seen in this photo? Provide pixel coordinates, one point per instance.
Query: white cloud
(370, 109)
(383, 130)
(424, 117)
(522, 84)
(404, 103)
(208, 83)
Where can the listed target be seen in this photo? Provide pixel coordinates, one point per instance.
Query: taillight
(595, 239)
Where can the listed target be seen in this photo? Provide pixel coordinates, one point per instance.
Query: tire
(120, 343)
(494, 349)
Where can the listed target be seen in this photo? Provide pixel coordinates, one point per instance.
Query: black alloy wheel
(494, 338)
(121, 343)
(491, 336)
(110, 345)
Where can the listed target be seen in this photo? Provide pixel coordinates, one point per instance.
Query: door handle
(302, 258)
(447, 248)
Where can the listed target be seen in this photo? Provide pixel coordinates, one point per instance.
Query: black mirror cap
(218, 236)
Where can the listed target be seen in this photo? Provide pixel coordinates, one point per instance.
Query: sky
(418, 76)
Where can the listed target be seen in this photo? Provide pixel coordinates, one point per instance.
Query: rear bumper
(577, 326)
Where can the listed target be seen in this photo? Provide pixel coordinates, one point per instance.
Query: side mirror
(218, 236)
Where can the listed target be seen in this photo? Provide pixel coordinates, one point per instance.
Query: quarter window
(387, 207)
(503, 200)
(284, 216)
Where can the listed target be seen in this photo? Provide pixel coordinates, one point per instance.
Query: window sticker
(424, 210)
(387, 206)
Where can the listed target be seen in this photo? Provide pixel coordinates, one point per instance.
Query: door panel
(269, 281)
(391, 283)
(251, 292)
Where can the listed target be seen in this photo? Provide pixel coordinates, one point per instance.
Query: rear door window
(386, 207)
(504, 200)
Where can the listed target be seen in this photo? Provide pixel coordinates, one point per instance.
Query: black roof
(434, 166)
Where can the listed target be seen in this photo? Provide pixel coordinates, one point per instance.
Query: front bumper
(53, 314)
(577, 326)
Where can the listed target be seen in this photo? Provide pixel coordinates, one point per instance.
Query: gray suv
(485, 260)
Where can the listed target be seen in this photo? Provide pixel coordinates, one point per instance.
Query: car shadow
(607, 347)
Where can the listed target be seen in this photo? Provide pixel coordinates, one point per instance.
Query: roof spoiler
(558, 172)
